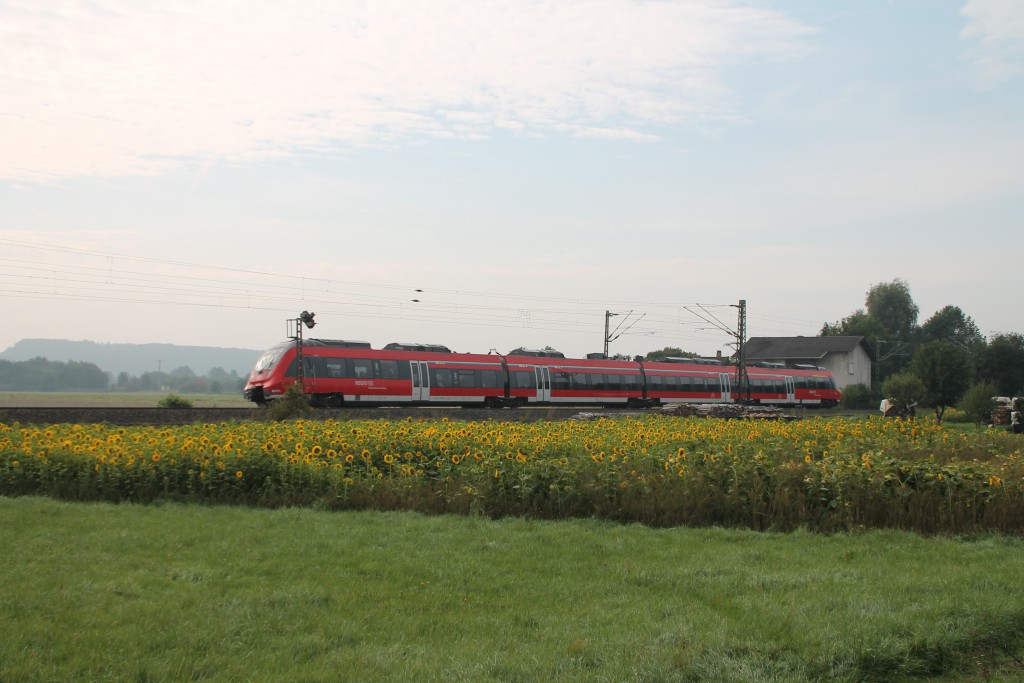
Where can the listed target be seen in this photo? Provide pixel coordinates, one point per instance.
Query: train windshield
(270, 358)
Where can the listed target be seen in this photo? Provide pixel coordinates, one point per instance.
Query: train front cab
(266, 378)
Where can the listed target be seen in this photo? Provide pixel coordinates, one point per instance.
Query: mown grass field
(174, 592)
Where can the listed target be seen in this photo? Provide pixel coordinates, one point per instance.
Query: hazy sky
(490, 174)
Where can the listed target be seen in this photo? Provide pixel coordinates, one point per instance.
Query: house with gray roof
(847, 358)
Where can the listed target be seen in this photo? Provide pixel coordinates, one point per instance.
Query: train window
(696, 384)
(270, 358)
(335, 367)
(561, 381)
(614, 383)
(672, 383)
(441, 377)
(524, 379)
(465, 378)
(656, 380)
(714, 385)
(389, 369)
(596, 381)
(579, 380)
(488, 378)
(630, 381)
(362, 368)
(404, 370)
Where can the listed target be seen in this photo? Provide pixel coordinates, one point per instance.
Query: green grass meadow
(171, 592)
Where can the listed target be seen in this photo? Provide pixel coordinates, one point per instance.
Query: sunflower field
(822, 474)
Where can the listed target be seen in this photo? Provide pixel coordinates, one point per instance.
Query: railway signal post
(305, 318)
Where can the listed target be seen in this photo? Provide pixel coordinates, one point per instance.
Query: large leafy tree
(857, 324)
(1002, 363)
(944, 369)
(888, 322)
(891, 304)
(669, 352)
(951, 324)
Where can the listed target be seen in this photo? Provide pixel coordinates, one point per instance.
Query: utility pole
(607, 338)
(740, 335)
(742, 379)
(609, 335)
(879, 357)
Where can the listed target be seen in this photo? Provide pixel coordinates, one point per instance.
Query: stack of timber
(728, 411)
(1001, 415)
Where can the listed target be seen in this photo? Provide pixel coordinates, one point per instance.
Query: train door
(543, 383)
(420, 381)
(726, 382)
(790, 390)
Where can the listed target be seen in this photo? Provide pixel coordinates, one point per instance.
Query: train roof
(337, 343)
(416, 346)
(537, 353)
(689, 361)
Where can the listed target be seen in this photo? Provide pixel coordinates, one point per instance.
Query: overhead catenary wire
(114, 280)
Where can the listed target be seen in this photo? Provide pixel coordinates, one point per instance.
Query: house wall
(849, 368)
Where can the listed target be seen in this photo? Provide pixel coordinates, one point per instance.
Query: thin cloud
(995, 35)
(616, 134)
(123, 88)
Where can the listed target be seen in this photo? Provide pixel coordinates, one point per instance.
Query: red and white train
(343, 373)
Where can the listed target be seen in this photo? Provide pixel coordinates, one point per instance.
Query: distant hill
(135, 359)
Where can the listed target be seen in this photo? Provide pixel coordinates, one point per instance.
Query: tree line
(943, 362)
(41, 374)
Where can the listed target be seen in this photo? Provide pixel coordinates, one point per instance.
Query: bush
(294, 403)
(174, 401)
(904, 390)
(977, 404)
(858, 397)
